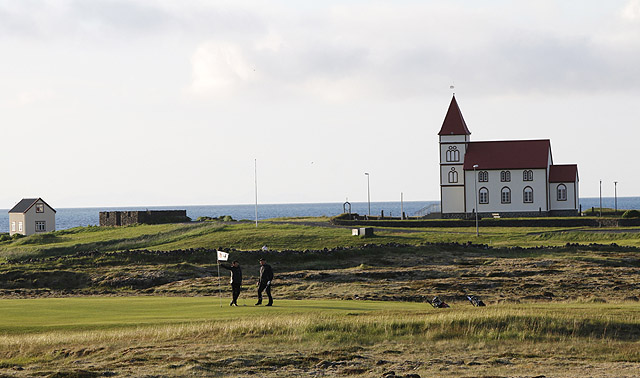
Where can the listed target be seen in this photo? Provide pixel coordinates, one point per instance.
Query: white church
(511, 178)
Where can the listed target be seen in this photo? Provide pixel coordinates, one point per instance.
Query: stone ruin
(125, 218)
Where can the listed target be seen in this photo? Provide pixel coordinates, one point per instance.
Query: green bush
(631, 214)
(222, 218)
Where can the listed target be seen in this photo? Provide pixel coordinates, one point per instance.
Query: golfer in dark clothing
(236, 281)
(264, 283)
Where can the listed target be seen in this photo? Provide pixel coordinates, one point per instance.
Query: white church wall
(445, 173)
(517, 185)
(569, 203)
(454, 138)
(460, 147)
(452, 199)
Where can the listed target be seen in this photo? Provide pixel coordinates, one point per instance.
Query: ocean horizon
(88, 216)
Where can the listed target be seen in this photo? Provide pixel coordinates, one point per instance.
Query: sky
(146, 103)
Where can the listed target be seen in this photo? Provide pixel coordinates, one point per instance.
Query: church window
(505, 176)
(527, 175)
(505, 195)
(483, 176)
(562, 192)
(453, 154)
(483, 195)
(453, 176)
(527, 195)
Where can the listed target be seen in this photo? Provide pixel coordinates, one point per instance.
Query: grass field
(559, 312)
(173, 336)
(294, 235)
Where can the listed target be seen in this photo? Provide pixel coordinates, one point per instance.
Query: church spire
(454, 122)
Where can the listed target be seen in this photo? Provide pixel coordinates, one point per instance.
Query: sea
(86, 216)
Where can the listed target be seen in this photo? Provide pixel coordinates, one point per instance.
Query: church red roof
(563, 173)
(454, 122)
(508, 154)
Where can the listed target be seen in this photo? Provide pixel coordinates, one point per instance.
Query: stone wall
(487, 221)
(124, 218)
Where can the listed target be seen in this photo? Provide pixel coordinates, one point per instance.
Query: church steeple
(454, 122)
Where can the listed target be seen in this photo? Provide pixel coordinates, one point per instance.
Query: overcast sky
(140, 102)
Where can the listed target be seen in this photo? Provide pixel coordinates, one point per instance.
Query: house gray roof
(26, 203)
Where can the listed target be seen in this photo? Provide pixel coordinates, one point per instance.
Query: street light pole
(475, 188)
(368, 193)
(615, 196)
(601, 198)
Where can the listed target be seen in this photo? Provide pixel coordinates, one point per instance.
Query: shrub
(631, 214)
(222, 218)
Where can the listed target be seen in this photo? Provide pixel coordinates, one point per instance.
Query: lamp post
(601, 198)
(615, 196)
(475, 188)
(368, 192)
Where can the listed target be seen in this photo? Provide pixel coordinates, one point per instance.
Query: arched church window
(527, 175)
(483, 195)
(505, 195)
(453, 176)
(453, 154)
(483, 176)
(505, 176)
(562, 192)
(527, 195)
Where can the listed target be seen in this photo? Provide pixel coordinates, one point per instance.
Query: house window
(505, 176)
(505, 195)
(527, 175)
(39, 208)
(562, 192)
(41, 226)
(19, 226)
(453, 154)
(483, 195)
(453, 176)
(483, 176)
(13, 226)
(527, 195)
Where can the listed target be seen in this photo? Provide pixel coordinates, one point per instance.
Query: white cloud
(219, 67)
(632, 10)
(31, 97)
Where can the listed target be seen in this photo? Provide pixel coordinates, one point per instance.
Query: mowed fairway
(195, 336)
(28, 316)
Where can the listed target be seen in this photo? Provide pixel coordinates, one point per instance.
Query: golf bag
(475, 301)
(438, 303)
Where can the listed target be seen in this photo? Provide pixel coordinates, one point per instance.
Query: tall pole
(600, 198)
(615, 196)
(475, 188)
(255, 176)
(219, 290)
(401, 205)
(368, 193)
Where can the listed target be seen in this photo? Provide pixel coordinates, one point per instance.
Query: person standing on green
(236, 281)
(264, 282)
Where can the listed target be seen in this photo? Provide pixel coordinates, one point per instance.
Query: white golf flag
(223, 256)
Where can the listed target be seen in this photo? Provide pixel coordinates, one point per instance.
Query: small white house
(30, 216)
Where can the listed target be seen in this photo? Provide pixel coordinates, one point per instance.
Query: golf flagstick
(221, 256)
(219, 291)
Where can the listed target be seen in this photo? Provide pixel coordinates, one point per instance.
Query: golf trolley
(437, 303)
(475, 301)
